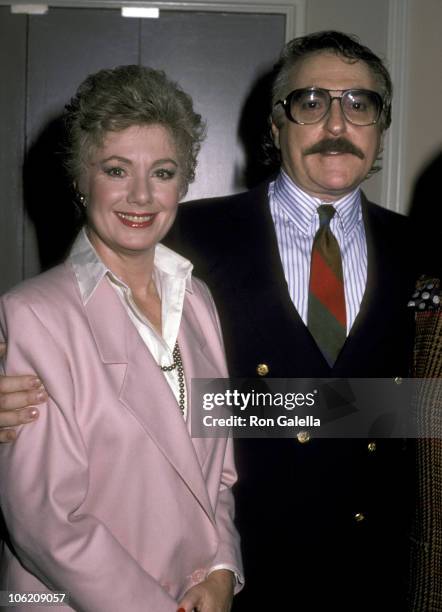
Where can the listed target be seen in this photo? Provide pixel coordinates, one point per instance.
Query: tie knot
(326, 213)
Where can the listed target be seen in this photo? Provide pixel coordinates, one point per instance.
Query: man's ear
(381, 142)
(275, 135)
(381, 146)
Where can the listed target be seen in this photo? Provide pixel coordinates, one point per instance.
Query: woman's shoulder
(54, 287)
(201, 290)
(201, 297)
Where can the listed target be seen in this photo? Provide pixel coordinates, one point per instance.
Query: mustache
(337, 145)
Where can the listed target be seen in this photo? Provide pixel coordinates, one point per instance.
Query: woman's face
(132, 185)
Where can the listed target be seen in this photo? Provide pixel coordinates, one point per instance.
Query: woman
(119, 506)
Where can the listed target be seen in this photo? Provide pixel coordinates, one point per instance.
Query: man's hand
(18, 394)
(214, 594)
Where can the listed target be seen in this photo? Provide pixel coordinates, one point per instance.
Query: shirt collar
(89, 269)
(300, 207)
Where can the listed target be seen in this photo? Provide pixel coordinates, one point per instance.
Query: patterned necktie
(326, 317)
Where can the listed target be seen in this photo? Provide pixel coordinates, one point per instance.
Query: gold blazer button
(359, 517)
(262, 369)
(303, 436)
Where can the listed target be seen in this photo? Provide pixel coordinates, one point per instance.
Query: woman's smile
(136, 221)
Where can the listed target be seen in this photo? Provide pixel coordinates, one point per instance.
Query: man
(323, 522)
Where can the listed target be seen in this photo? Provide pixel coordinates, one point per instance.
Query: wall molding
(294, 11)
(393, 180)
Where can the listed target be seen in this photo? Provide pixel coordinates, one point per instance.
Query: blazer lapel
(144, 391)
(386, 284)
(273, 312)
(198, 363)
(381, 273)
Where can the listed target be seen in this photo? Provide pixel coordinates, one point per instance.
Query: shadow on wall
(254, 134)
(48, 195)
(426, 215)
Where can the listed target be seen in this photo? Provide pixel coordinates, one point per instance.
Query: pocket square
(427, 294)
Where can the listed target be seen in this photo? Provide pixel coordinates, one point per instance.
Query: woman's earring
(82, 199)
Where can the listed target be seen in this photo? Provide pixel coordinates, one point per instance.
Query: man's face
(328, 175)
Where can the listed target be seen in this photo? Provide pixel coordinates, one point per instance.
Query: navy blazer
(324, 523)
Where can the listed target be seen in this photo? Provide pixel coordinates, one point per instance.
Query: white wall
(424, 125)
(421, 130)
(366, 19)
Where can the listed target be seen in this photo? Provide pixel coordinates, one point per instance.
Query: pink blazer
(106, 496)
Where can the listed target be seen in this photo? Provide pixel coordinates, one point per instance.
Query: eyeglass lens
(311, 105)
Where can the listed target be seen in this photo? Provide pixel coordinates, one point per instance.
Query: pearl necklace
(178, 364)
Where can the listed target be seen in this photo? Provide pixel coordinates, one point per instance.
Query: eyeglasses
(310, 105)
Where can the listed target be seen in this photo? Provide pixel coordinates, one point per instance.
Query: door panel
(12, 113)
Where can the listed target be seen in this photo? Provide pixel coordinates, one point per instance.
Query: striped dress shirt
(296, 221)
